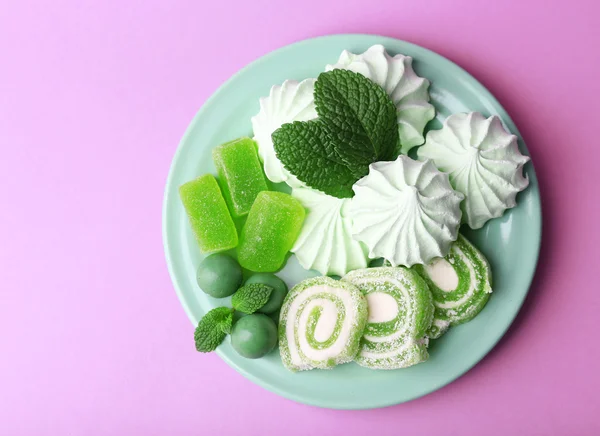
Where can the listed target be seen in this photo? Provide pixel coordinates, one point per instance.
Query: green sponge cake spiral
(400, 314)
(321, 323)
(460, 284)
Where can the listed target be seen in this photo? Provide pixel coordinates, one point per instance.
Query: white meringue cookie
(291, 101)
(405, 211)
(483, 161)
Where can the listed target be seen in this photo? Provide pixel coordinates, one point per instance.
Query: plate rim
(479, 88)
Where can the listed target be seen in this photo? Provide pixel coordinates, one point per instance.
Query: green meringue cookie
(325, 243)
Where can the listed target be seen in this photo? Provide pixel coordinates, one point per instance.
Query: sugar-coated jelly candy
(240, 174)
(270, 231)
(208, 214)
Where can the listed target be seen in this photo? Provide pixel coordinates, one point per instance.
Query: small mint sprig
(307, 151)
(250, 298)
(359, 114)
(213, 328)
(216, 324)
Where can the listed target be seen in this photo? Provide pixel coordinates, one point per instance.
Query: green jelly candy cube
(209, 217)
(240, 174)
(271, 229)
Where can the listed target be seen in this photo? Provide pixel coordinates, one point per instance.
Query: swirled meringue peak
(408, 91)
(483, 161)
(405, 211)
(325, 243)
(291, 101)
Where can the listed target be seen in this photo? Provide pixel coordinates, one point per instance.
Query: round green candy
(253, 336)
(238, 315)
(219, 275)
(376, 262)
(275, 316)
(280, 290)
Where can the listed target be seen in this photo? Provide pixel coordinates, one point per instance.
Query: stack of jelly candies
(270, 222)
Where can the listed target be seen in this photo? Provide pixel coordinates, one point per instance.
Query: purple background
(94, 97)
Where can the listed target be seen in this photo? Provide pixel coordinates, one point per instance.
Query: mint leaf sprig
(216, 324)
(250, 298)
(213, 328)
(357, 126)
(360, 116)
(307, 150)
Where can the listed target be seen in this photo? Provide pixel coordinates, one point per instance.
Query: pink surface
(93, 101)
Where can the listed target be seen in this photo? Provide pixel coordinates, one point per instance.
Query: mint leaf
(359, 115)
(356, 126)
(250, 298)
(212, 329)
(308, 152)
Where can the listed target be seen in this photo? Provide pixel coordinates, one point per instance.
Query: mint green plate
(511, 243)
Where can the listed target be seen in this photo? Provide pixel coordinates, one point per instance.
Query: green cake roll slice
(461, 284)
(438, 327)
(400, 315)
(321, 323)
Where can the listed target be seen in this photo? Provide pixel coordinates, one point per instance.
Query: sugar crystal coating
(321, 323)
(208, 214)
(461, 284)
(400, 314)
(240, 174)
(270, 231)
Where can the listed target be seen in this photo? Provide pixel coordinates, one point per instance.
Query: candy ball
(219, 275)
(280, 290)
(253, 336)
